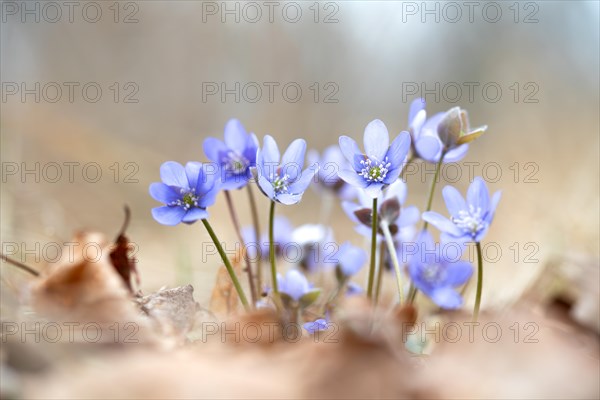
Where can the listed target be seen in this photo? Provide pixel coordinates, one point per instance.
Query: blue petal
(446, 298)
(366, 231)
(214, 149)
(163, 193)
(235, 136)
(250, 149)
(266, 187)
(374, 189)
(399, 149)
(493, 205)
(302, 184)
(441, 222)
(416, 106)
(194, 214)
(478, 195)
(288, 199)
(408, 216)
(270, 151)
(173, 174)
(460, 240)
(349, 148)
(454, 200)
(376, 140)
(398, 190)
(208, 198)
(352, 178)
(208, 177)
(429, 148)
(456, 154)
(295, 284)
(349, 208)
(351, 259)
(168, 215)
(458, 273)
(393, 175)
(192, 170)
(292, 161)
(234, 181)
(416, 124)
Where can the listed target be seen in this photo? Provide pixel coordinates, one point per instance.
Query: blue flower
(281, 178)
(401, 220)
(296, 286)
(235, 156)
(446, 133)
(316, 325)
(282, 229)
(186, 192)
(436, 274)
(350, 259)
(330, 163)
(470, 219)
(381, 163)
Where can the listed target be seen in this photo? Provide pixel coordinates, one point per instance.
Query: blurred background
(144, 82)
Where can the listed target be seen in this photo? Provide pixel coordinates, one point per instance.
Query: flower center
(374, 171)
(280, 183)
(236, 163)
(470, 221)
(187, 201)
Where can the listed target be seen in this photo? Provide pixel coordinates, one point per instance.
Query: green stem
(373, 248)
(236, 225)
(230, 270)
(392, 250)
(479, 281)
(380, 271)
(254, 211)
(272, 250)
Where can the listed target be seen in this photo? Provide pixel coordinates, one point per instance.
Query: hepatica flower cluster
(302, 272)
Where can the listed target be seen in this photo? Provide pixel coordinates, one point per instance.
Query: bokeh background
(367, 56)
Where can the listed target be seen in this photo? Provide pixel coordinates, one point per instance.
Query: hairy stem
(479, 281)
(255, 219)
(432, 189)
(20, 265)
(373, 248)
(380, 271)
(272, 250)
(227, 263)
(392, 250)
(238, 231)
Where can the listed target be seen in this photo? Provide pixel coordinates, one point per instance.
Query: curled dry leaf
(83, 285)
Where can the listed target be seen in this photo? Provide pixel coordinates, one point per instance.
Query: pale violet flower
(235, 156)
(380, 164)
(281, 178)
(470, 219)
(185, 191)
